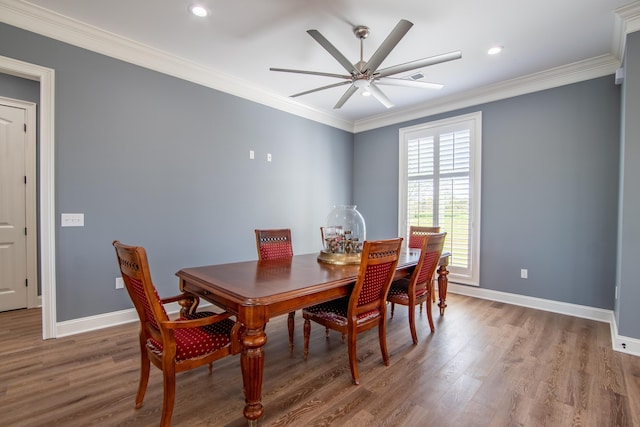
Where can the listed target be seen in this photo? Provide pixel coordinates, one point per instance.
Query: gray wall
(549, 190)
(627, 313)
(161, 162)
(164, 163)
(19, 88)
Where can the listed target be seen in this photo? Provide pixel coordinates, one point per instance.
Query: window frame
(474, 123)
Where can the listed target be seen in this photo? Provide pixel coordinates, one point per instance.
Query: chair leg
(412, 321)
(393, 307)
(353, 360)
(145, 366)
(382, 335)
(291, 324)
(169, 397)
(429, 305)
(307, 333)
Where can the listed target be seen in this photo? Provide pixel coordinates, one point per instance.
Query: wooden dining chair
(415, 242)
(275, 244)
(365, 308)
(418, 289)
(192, 340)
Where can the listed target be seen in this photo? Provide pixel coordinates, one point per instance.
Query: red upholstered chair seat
(336, 312)
(197, 342)
(402, 293)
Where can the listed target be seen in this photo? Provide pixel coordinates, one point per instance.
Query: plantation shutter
(439, 171)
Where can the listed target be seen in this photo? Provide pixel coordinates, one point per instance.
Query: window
(440, 186)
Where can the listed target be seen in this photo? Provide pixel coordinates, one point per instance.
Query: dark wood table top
(269, 282)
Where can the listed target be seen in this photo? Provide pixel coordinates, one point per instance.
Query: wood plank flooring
(487, 364)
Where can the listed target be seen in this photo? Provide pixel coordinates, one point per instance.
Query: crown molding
(578, 71)
(38, 20)
(627, 20)
(22, 14)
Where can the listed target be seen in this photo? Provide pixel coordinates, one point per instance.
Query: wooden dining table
(256, 291)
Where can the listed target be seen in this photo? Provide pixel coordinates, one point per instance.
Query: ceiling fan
(366, 75)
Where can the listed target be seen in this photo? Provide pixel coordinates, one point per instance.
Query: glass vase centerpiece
(342, 236)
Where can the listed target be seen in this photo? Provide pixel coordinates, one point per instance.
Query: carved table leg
(252, 365)
(291, 325)
(443, 282)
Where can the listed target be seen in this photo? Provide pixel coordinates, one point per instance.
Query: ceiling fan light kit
(366, 75)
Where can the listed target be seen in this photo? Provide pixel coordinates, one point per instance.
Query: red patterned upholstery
(193, 340)
(419, 288)
(276, 250)
(197, 342)
(401, 293)
(416, 233)
(336, 311)
(138, 290)
(374, 282)
(366, 304)
(415, 241)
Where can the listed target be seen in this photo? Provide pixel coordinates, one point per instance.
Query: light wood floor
(487, 364)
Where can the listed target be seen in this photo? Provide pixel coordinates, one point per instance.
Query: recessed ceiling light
(198, 10)
(495, 50)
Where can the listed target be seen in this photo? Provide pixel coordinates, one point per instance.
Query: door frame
(30, 197)
(46, 241)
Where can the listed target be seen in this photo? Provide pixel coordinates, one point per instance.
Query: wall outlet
(252, 155)
(119, 283)
(268, 157)
(524, 273)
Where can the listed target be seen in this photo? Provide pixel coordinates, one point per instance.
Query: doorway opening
(45, 173)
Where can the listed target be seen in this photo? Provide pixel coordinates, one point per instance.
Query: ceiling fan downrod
(361, 32)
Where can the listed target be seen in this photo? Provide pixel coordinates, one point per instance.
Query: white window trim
(476, 172)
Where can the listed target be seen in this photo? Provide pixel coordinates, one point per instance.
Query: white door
(13, 239)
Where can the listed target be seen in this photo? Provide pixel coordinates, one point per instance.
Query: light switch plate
(72, 220)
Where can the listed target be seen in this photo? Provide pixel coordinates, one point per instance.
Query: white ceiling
(242, 39)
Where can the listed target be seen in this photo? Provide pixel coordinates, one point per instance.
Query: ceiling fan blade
(390, 81)
(388, 44)
(321, 88)
(377, 94)
(345, 97)
(313, 73)
(408, 66)
(326, 44)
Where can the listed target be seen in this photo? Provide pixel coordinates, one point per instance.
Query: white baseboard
(619, 343)
(100, 321)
